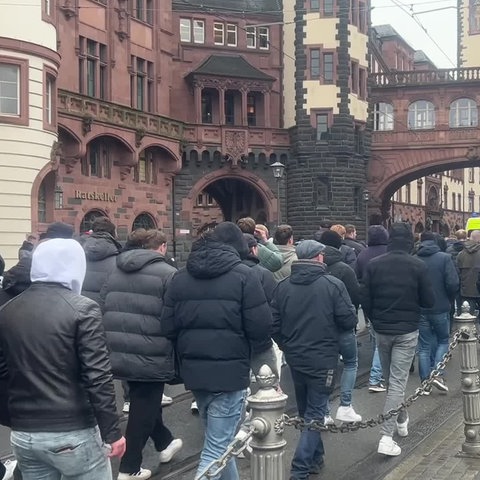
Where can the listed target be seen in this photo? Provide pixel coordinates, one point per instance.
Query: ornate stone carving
(122, 14)
(87, 122)
(55, 155)
(68, 9)
(473, 153)
(139, 134)
(70, 162)
(125, 171)
(235, 146)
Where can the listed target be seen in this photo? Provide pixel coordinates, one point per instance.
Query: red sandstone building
(150, 95)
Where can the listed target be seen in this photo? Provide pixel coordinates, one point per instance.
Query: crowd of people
(78, 313)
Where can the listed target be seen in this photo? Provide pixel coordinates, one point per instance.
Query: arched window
(421, 115)
(42, 203)
(144, 220)
(88, 220)
(463, 113)
(45, 199)
(383, 117)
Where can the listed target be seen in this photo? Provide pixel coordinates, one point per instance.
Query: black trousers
(144, 421)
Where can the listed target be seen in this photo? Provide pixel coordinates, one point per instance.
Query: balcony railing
(422, 77)
(93, 109)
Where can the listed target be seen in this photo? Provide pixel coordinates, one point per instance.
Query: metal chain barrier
(319, 426)
(236, 447)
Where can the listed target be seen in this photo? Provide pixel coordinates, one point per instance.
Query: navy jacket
(377, 245)
(442, 273)
(310, 309)
(217, 314)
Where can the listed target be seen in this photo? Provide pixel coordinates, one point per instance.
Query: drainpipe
(174, 219)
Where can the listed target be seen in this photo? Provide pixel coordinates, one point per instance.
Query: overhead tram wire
(411, 14)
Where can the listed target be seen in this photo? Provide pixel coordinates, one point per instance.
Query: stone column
(266, 108)
(221, 105)
(197, 96)
(244, 93)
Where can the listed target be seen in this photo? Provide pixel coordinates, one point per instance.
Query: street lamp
(278, 169)
(366, 198)
(58, 192)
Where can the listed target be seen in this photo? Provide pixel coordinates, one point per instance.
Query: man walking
(394, 289)
(351, 239)
(310, 310)
(435, 322)
(216, 311)
(468, 263)
(60, 386)
(284, 240)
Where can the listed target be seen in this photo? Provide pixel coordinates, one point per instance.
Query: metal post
(470, 382)
(268, 447)
(279, 216)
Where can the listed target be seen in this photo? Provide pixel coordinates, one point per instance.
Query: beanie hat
(427, 236)
(377, 235)
(401, 237)
(331, 238)
(318, 234)
(251, 240)
(308, 249)
(59, 230)
(229, 233)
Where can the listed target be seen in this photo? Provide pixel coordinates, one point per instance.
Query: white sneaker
(126, 407)
(166, 400)
(168, 453)
(328, 420)
(348, 414)
(9, 468)
(387, 446)
(194, 407)
(142, 474)
(402, 428)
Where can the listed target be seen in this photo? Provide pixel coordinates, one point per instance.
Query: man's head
(310, 250)
(427, 236)
(331, 238)
(340, 229)
(475, 236)
(261, 232)
(284, 235)
(252, 243)
(246, 225)
(461, 234)
(230, 234)
(350, 231)
(59, 260)
(103, 224)
(400, 237)
(59, 230)
(148, 240)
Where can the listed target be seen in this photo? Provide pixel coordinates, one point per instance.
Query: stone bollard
(267, 460)
(470, 382)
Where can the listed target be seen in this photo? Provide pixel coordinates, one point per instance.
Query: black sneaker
(439, 382)
(378, 387)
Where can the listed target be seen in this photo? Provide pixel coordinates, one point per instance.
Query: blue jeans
(312, 397)
(433, 341)
(221, 414)
(396, 354)
(348, 350)
(75, 455)
(376, 374)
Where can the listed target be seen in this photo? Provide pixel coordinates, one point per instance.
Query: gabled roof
(383, 31)
(420, 57)
(230, 66)
(233, 6)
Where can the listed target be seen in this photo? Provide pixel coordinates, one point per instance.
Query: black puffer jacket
(333, 258)
(217, 312)
(101, 250)
(265, 276)
(310, 308)
(68, 387)
(396, 286)
(132, 302)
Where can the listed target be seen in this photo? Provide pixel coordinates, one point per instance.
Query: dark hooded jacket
(468, 264)
(101, 250)
(454, 249)
(265, 276)
(442, 273)
(216, 311)
(15, 281)
(377, 245)
(333, 258)
(310, 309)
(396, 286)
(357, 246)
(132, 304)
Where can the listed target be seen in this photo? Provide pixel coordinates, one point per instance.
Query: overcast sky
(441, 25)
